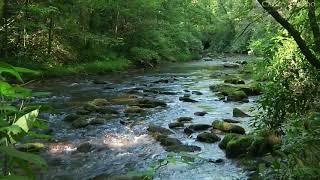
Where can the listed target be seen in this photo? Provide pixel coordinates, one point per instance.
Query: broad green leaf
(12, 152)
(7, 68)
(25, 70)
(26, 120)
(14, 129)
(7, 107)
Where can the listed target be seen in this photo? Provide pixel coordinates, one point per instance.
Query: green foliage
(16, 123)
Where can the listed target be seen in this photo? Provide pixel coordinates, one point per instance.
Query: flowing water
(120, 149)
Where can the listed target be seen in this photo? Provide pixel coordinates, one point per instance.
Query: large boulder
(227, 138)
(238, 146)
(246, 145)
(232, 92)
(251, 89)
(239, 113)
(208, 137)
(228, 127)
(199, 127)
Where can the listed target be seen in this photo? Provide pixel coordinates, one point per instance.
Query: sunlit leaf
(26, 120)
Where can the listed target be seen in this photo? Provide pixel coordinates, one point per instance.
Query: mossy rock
(239, 113)
(71, 117)
(185, 119)
(159, 130)
(150, 103)
(182, 148)
(124, 99)
(228, 127)
(232, 92)
(199, 127)
(97, 109)
(251, 89)
(208, 137)
(134, 110)
(227, 138)
(86, 121)
(100, 102)
(174, 145)
(239, 96)
(245, 145)
(238, 146)
(176, 125)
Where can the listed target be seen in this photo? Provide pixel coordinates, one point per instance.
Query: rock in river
(238, 113)
(199, 127)
(176, 125)
(228, 127)
(187, 99)
(208, 137)
(150, 103)
(71, 117)
(174, 145)
(133, 110)
(184, 119)
(203, 113)
(85, 147)
(159, 130)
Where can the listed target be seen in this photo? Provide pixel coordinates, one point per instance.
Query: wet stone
(208, 137)
(187, 99)
(184, 119)
(199, 127)
(239, 113)
(203, 113)
(176, 125)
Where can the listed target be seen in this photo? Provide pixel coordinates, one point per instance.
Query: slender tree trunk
(314, 24)
(306, 51)
(50, 34)
(5, 24)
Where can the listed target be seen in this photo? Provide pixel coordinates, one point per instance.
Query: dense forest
(78, 76)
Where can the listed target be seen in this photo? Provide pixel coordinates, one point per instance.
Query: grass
(97, 67)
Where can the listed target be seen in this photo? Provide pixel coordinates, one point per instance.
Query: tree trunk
(310, 56)
(314, 24)
(50, 34)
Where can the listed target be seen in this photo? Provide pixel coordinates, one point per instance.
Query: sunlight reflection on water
(124, 140)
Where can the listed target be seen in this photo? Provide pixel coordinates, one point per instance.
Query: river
(119, 147)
